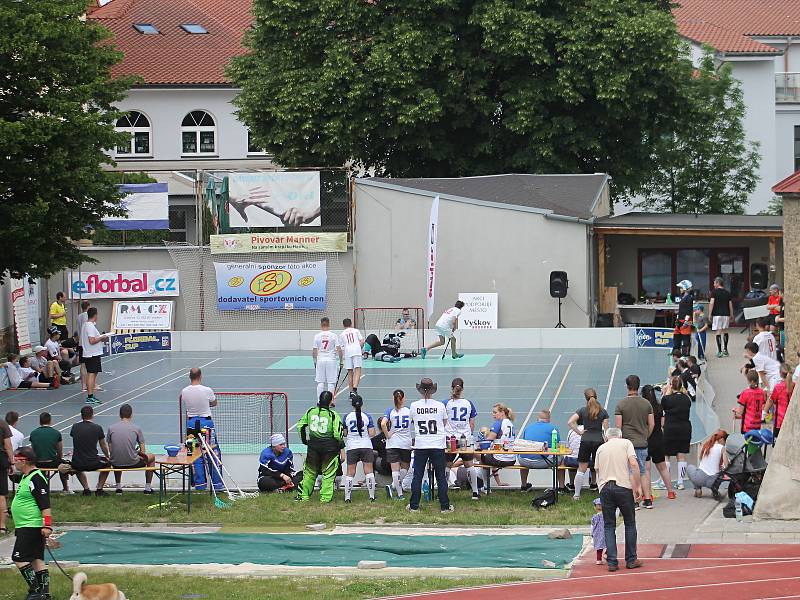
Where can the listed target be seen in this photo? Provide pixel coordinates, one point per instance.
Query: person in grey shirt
(127, 448)
(79, 323)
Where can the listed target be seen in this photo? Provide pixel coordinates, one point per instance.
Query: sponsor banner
(141, 342)
(274, 199)
(479, 312)
(237, 243)
(653, 337)
(147, 205)
(123, 284)
(433, 232)
(19, 304)
(34, 310)
(271, 286)
(142, 315)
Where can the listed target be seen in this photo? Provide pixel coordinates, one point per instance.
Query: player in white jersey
(360, 429)
(352, 343)
(445, 327)
(396, 426)
(325, 350)
(461, 415)
(503, 432)
(429, 417)
(765, 339)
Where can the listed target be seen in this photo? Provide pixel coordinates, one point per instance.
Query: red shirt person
(779, 399)
(751, 404)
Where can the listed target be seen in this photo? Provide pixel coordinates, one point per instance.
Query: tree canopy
(431, 88)
(56, 120)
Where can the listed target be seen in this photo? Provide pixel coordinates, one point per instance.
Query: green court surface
(431, 551)
(434, 360)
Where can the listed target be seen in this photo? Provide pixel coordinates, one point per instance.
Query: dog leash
(60, 568)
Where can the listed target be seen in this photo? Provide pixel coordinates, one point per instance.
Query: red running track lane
(711, 572)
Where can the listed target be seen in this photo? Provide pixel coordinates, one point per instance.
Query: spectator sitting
(501, 432)
(571, 461)
(60, 355)
(20, 374)
(540, 431)
(85, 437)
(694, 368)
(48, 370)
(48, 445)
(276, 469)
(713, 459)
(128, 450)
(405, 321)
(779, 399)
(12, 418)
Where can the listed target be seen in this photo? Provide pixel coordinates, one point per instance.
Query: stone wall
(791, 273)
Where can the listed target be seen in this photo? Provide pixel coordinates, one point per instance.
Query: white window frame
(262, 152)
(197, 130)
(132, 131)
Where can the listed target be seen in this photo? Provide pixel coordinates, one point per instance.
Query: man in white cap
(275, 469)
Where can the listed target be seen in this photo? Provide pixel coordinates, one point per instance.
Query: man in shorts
(634, 416)
(80, 322)
(47, 370)
(721, 309)
(446, 327)
(327, 347)
(352, 343)
(33, 524)
(128, 450)
(85, 437)
(92, 344)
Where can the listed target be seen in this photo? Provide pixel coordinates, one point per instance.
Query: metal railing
(787, 87)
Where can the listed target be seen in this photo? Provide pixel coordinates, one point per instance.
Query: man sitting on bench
(85, 437)
(128, 450)
(48, 445)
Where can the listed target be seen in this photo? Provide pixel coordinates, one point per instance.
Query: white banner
(147, 206)
(123, 284)
(433, 233)
(32, 298)
(479, 312)
(19, 303)
(142, 315)
(274, 199)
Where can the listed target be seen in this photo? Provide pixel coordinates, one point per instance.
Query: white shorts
(352, 362)
(445, 332)
(720, 323)
(327, 370)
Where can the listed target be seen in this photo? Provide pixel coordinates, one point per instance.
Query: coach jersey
(350, 340)
(326, 343)
(429, 418)
(400, 428)
(459, 413)
(355, 439)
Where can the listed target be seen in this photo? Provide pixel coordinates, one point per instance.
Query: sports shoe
(634, 565)
(613, 568)
(67, 492)
(56, 383)
(409, 509)
(593, 487)
(672, 495)
(659, 485)
(725, 353)
(401, 498)
(118, 491)
(148, 492)
(680, 486)
(637, 506)
(347, 501)
(648, 503)
(476, 495)
(372, 499)
(457, 356)
(87, 493)
(449, 509)
(570, 487)
(526, 487)
(423, 353)
(99, 493)
(389, 492)
(720, 354)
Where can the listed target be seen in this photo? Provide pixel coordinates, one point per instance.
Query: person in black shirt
(655, 449)
(677, 426)
(721, 309)
(85, 436)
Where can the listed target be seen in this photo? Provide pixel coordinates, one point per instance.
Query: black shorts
(25, 385)
(29, 545)
(465, 456)
(3, 478)
(398, 455)
(674, 446)
(100, 464)
(588, 451)
(357, 455)
(655, 451)
(771, 319)
(80, 354)
(142, 463)
(93, 364)
(491, 460)
(43, 379)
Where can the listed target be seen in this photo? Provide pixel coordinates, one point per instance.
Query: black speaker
(759, 276)
(558, 284)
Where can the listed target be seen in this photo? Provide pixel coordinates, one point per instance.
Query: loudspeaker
(759, 276)
(558, 284)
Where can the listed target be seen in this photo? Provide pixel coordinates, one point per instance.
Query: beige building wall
(481, 249)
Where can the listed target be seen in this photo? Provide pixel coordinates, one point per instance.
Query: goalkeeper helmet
(685, 285)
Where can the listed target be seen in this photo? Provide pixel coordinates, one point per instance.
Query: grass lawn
(140, 586)
(281, 512)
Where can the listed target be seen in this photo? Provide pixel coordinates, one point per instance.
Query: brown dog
(101, 591)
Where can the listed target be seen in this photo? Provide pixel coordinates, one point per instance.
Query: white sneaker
(449, 509)
(659, 485)
(680, 486)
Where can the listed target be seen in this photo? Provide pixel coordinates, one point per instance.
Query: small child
(598, 531)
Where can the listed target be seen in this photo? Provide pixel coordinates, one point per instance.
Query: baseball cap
(597, 502)
(52, 330)
(37, 349)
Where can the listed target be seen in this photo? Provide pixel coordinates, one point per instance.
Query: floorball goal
(244, 421)
(383, 320)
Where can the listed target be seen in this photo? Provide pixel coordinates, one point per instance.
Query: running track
(709, 572)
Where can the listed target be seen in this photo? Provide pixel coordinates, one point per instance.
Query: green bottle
(554, 440)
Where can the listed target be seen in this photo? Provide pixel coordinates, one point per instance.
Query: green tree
(56, 119)
(775, 207)
(705, 166)
(462, 87)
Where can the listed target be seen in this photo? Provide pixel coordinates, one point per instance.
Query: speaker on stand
(558, 289)
(759, 276)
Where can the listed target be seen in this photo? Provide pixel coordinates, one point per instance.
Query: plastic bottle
(462, 442)
(669, 298)
(554, 439)
(738, 504)
(426, 492)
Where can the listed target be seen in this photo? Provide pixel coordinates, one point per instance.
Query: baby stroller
(746, 467)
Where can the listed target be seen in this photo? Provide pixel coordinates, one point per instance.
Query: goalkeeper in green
(322, 430)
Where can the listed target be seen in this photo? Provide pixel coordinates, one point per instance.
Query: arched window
(198, 133)
(137, 126)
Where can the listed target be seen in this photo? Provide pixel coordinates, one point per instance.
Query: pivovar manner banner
(278, 242)
(271, 286)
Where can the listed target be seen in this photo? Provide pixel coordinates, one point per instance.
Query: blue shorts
(641, 457)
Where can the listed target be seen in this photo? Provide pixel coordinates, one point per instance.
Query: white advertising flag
(19, 303)
(433, 233)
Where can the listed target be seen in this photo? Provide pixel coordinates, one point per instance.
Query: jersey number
(401, 424)
(324, 344)
(427, 427)
(319, 424)
(350, 338)
(462, 411)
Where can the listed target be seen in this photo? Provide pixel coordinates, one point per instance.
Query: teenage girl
(358, 447)
(461, 415)
(396, 426)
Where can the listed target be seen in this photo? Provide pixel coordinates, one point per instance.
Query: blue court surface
(524, 379)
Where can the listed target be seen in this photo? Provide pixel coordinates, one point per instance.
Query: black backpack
(545, 500)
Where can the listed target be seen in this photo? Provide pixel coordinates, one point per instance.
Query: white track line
(611, 381)
(560, 386)
(539, 395)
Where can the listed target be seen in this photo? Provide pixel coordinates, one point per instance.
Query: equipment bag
(545, 500)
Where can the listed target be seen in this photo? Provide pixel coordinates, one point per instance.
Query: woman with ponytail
(360, 430)
(396, 426)
(677, 427)
(594, 419)
(713, 459)
(655, 450)
(461, 415)
(502, 431)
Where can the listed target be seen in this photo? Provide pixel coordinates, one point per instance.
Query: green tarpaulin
(120, 547)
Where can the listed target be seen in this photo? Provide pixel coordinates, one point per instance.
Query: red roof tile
(746, 17)
(174, 56)
(790, 185)
(721, 39)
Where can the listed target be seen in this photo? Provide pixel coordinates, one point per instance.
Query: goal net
(383, 320)
(244, 421)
